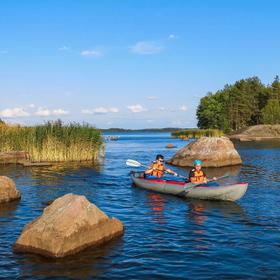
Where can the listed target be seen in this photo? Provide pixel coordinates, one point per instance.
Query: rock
(170, 146)
(213, 151)
(70, 224)
(8, 190)
(257, 133)
(13, 157)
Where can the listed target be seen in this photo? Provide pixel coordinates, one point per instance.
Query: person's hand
(175, 174)
(214, 178)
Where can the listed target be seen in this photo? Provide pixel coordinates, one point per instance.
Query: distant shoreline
(167, 129)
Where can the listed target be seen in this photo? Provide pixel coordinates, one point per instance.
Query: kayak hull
(223, 192)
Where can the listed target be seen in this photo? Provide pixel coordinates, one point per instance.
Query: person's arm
(149, 170)
(191, 177)
(170, 171)
(205, 178)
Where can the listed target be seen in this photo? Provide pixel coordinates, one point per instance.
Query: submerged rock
(70, 224)
(213, 151)
(170, 146)
(8, 190)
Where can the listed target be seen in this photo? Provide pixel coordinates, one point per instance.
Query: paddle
(192, 185)
(134, 163)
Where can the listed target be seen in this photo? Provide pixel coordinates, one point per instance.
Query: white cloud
(64, 49)
(136, 108)
(87, 112)
(114, 110)
(152, 97)
(44, 112)
(31, 105)
(100, 111)
(59, 112)
(162, 109)
(3, 52)
(146, 47)
(91, 53)
(184, 108)
(14, 113)
(172, 37)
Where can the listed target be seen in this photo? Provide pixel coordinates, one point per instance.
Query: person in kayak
(197, 175)
(158, 169)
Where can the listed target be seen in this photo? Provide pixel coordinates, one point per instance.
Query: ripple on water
(165, 237)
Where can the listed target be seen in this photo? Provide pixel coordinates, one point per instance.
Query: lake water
(165, 236)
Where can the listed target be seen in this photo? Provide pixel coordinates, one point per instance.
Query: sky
(129, 63)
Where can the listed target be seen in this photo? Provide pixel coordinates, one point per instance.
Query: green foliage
(271, 112)
(197, 133)
(239, 105)
(52, 141)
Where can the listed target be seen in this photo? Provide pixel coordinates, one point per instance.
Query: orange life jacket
(158, 170)
(197, 177)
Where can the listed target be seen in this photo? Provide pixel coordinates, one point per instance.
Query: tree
(239, 105)
(271, 112)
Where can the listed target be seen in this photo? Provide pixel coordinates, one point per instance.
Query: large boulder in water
(8, 190)
(213, 151)
(70, 224)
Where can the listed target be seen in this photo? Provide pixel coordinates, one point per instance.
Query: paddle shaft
(134, 163)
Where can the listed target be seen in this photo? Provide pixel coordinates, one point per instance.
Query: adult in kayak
(197, 175)
(158, 169)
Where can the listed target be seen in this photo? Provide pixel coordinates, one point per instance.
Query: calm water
(165, 236)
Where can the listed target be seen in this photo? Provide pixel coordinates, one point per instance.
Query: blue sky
(129, 63)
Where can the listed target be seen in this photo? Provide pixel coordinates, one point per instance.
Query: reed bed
(53, 141)
(197, 133)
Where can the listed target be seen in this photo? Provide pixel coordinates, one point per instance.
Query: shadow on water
(226, 209)
(7, 209)
(84, 265)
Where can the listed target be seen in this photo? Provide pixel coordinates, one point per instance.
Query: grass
(52, 141)
(197, 133)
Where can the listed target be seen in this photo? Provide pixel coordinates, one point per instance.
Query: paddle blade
(133, 163)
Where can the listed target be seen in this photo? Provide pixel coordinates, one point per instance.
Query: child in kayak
(197, 175)
(158, 169)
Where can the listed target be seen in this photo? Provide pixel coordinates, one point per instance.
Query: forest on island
(246, 102)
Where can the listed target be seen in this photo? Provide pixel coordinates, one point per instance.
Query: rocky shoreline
(257, 133)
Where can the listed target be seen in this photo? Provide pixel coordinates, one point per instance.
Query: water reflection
(7, 209)
(199, 210)
(202, 211)
(156, 204)
(84, 265)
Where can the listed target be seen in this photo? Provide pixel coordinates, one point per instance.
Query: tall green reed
(197, 133)
(53, 141)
